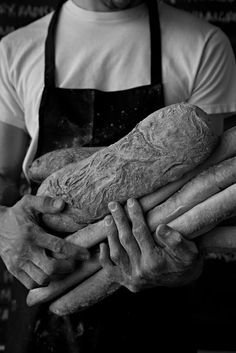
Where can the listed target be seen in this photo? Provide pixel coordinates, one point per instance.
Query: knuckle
(58, 246)
(30, 285)
(69, 250)
(150, 265)
(51, 267)
(43, 280)
(140, 227)
(125, 238)
(115, 256)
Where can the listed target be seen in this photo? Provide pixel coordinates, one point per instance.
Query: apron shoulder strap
(155, 37)
(50, 67)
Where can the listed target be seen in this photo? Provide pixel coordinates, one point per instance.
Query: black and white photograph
(117, 176)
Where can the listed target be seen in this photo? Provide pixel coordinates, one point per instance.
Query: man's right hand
(23, 243)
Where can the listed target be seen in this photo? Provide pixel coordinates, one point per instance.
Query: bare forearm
(9, 191)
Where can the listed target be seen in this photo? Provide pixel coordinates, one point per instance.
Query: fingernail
(58, 203)
(130, 202)
(163, 230)
(112, 206)
(108, 221)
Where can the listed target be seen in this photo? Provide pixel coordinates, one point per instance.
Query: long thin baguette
(88, 293)
(207, 213)
(219, 243)
(96, 232)
(56, 288)
(191, 224)
(200, 188)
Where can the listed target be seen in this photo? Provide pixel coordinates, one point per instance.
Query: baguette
(88, 293)
(56, 288)
(206, 214)
(200, 188)
(219, 243)
(195, 222)
(160, 149)
(95, 233)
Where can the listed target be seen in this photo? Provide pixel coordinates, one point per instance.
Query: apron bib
(89, 117)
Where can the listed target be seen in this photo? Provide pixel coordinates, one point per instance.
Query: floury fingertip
(112, 206)
(130, 202)
(58, 203)
(108, 221)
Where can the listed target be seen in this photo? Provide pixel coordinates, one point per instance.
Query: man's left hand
(137, 260)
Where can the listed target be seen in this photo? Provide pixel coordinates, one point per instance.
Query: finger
(113, 272)
(35, 273)
(59, 246)
(117, 252)
(55, 267)
(26, 280)
(51, 266)
(39, 258)
(125, 235)
(43, 204)
(104, 256)
(140, 229)
(175, 244)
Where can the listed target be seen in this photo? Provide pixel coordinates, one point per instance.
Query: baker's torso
(119, 60)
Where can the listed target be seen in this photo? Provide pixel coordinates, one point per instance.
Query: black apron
(88, 117)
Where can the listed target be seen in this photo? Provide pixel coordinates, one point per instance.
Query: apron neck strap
(50, 48)
(155, 38)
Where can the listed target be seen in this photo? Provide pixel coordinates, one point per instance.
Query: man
(85, 76)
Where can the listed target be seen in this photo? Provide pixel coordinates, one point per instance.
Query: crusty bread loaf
(160, 149)
(50, 162)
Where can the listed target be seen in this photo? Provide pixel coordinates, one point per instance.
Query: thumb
(43, 204)
(175, 244)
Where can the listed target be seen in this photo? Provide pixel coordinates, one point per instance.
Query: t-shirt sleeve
(214, 88)
(11, 110)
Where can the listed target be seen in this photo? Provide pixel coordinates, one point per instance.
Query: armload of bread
(181, 173)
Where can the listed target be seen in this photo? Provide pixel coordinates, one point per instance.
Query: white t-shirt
(111, 51)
